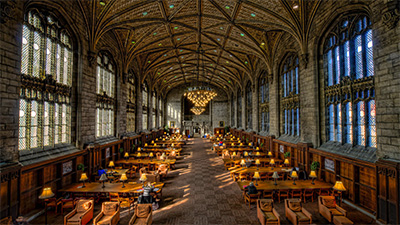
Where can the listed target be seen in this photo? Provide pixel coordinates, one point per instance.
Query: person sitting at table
(101, 171)
(146, 197)
(248, 162)
(302, 174)
(251, 189)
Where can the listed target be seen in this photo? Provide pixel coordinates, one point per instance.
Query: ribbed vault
(160, 39)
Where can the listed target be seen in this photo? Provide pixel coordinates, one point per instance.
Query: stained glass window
(249, 106)
(145, 103)
(105, 89)
(264, 104)
(46, 56)
(290, 96)
(348, 62)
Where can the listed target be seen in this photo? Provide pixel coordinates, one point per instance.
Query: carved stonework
(391, 18)
(7, 8)
(91, 57)
(304, 59)
(270, 78)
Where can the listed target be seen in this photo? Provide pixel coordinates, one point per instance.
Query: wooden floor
(201, 191)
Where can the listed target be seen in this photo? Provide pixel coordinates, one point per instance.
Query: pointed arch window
(145, 101)
(105, 89)
(154, 109)
(264, 104)
(349, 86)
(45, 94)
(131, 103)
(249, 106)
(290, 103)
(160, 108)
(239, 108)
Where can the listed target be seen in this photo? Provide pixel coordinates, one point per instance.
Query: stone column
(274, 121)
(243, 125)
(157, 111)
(139, 107)
(255, 114)
(150, 110)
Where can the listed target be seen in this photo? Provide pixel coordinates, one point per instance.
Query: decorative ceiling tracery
(160, 39)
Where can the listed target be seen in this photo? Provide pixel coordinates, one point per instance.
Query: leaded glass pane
(339, 123)
(347, 58)
(26, 43)
(37, 49)
(330, 68)
(359, 58)
(369, 53)
(331, 119)
(361, 123)
(298, 121)
(337, 64)
(349, 126)
(371, 124)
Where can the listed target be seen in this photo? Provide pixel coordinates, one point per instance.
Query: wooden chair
(67, 204)
(295, 212)
(109, 215)
(132, 172)
(126, 202)
(327, 208)
(114, 197)
(266, 212)
(307, 194)
(143, 214)
(6, 221)
(251, 198)
(324, 192)
(54, 202)
(296, 193)
(268, 194)
(283, 193)
(82, 213)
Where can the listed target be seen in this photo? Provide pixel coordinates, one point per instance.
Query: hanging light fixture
(200, 95)
(197, 110)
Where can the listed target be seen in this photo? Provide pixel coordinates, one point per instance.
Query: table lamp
(83, 179)
(340, 188)
(151, 156)
(143, 178)
(156, 139)
(152, 142)
(234, 154)
(250, 144)
(272, 163)
(123, 179)
(313, 175)
(257, 148)
(286, 162)
(275, 176)
(111, 165)
(163, 139)
(217, 139)
(232, 144)
(246, 153)
(155, 144)
(145, 144)
(46, 194)
(243, 163)
(270, 154)
(256, 176)
(172, 145)
(258, 154)
(224, 144)
(139, 155)
(103, 178)
(126, 156)
(139, 149)
(231, 139)
(257, 163)
(294, 176)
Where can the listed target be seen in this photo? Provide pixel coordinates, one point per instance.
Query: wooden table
(150, 149)
(287, 184)
(253, 169)
(262, 160)
(170, 162)
(116, 172)
(96, 187)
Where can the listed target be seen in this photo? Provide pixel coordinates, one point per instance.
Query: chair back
(283, 192)
(114, 196)
(84, 205)
(143, 210)
(109, 208)
(292, 200)
(324, 191)
(328, 201)
(265, 205)
(297, 192)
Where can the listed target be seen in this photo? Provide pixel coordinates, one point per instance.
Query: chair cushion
(329, 202)
(82, 206)
(75, 218)
(143, 210)
(140, 221)
(295, 206)
(301, 217)
(110, 208)
(335, 212)
(105, 220)
(266, 206)
(270, 217)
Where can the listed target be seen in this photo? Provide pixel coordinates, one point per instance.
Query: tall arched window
(160, 108)
(290, 104)
(145, 101)
(153, 109)
(349, 86)
(46, 70)
(239, 108)
(249, 106)
(131, 104)
(232, 110)
(264, 104)
(105, 90)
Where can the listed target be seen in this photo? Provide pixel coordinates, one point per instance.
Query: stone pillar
(234, 113)
(150, 110)
(157, 112)
(121, 106)
(274, 121)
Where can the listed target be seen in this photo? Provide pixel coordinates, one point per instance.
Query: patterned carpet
(200, 191)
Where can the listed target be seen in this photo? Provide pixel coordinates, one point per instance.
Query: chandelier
(200, 95)
(197, 110)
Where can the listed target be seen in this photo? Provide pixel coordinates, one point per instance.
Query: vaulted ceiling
(168, 41)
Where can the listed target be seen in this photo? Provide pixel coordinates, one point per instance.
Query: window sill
(289, 138)
(36, 155)
(348, 150)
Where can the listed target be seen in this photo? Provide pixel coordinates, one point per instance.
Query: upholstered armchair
(163, 170)
(109, 214)
(327, 208)
(151, 177)
(296, 213)
(82, 213)
(143, 214)
(266, 213)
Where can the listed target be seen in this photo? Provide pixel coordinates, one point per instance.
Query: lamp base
(123, 184)
(312, 182)
(103, 185)
(294, 182)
